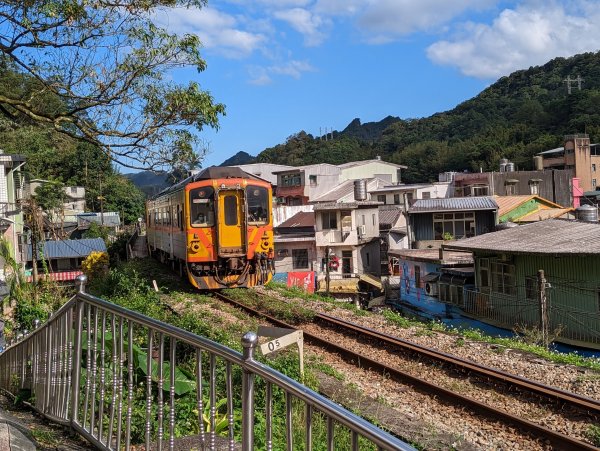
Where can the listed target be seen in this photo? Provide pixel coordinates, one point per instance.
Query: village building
(295, 249)
(529, 208)
(433, 221)
(507, 262)
(61, 260)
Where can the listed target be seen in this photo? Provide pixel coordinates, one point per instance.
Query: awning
(64, 276)
(345, 286)
(371, 280)
(431, 277)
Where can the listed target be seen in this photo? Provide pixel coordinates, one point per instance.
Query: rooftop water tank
(587, 213)
(360, 189)
(510, 167)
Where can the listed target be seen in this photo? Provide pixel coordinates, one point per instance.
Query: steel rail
(571, 399)
(557, 439)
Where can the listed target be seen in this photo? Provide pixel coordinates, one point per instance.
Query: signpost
(282, 338)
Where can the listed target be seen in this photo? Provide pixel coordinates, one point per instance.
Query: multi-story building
(578, 155)
(11, 193)
(301, 185)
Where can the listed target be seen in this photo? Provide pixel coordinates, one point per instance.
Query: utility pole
(570, 80)
(327, 277)
(101, 199)
(543, 301)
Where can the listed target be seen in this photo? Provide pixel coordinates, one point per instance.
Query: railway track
(514, 383)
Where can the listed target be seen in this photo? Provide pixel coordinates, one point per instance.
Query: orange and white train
(216, 226)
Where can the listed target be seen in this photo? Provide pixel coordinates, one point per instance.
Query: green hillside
(516, 117)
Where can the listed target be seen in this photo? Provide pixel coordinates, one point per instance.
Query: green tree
(95, 72)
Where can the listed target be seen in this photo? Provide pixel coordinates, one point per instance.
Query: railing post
(249, 341)
(82, 280)
(76, 369)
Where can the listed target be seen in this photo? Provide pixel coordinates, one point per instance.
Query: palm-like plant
(14, 275)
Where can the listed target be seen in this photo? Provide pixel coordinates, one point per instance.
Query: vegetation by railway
(179, 304)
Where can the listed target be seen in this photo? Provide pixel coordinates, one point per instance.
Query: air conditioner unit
(362, 230)
(431, 289)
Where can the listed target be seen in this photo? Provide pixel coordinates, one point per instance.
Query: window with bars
(300, 258)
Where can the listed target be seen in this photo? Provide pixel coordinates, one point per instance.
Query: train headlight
(195, 246)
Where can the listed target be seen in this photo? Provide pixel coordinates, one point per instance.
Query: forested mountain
(239, 158)
(516, 117)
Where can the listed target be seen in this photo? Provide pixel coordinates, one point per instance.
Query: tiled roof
(454, 204)
(68, 248)
(300, 219)
(508, 203)
(542, 215)
(553, 236)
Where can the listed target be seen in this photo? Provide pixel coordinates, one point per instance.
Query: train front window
(258, 204)
(231, 210)
(202, 207)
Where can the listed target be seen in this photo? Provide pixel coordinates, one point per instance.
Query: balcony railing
(83, 369)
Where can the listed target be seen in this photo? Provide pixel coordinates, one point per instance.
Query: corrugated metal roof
(553, 236)
(300, 219)
(389, 216)
(109, 218)
(551, 151)
(68, 248)
(454, 204)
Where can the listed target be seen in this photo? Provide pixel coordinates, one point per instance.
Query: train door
(231, 224)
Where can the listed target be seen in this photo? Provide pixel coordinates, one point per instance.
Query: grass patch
(289, 312)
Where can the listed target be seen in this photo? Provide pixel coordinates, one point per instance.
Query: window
(426, 195)
(396, 199)
(503, 278)
(346, 220)
(381, 198)
(594, 182)
(479, 191)
(300, 258)
(593, 167)
(458, 225)
(291, 179)
(531, 291)
(329, 220)
(202, 210)
(484, 273)
(374, 217)
(312, 179)
(417, 276)
(257, 198)
(231, 210)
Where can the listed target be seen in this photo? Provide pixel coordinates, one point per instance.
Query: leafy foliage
(96, 72)
(516, 117)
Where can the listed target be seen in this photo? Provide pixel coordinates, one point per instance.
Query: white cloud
(294, 69)
(217, 30)
(519, 38)
(312, 26)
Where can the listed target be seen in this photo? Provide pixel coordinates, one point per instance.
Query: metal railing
(113, 376)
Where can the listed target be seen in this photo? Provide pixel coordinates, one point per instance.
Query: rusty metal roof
(454, 204)
(552, 237)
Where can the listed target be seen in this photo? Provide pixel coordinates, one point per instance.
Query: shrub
(95, 265)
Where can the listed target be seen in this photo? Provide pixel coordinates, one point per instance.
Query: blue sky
(282, 66)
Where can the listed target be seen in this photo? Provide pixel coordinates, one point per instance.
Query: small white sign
(281, 342)
(282, 338)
